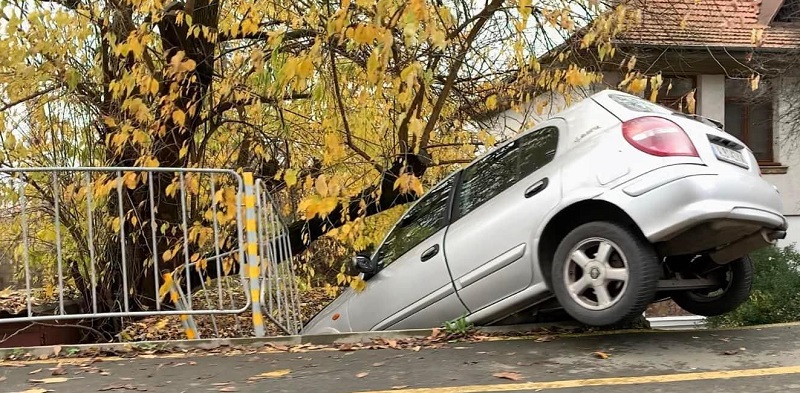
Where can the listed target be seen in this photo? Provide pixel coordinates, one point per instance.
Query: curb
(522, 331)
(320, 339)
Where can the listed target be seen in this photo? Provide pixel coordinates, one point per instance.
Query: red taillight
(658, 136)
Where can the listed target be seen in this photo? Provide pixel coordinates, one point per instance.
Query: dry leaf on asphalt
(508, 375)
(50, 380)
(58, 371)
(362, 375)
(228, 389)
(399, 387)
(35, 390)
(2, 379)
(601, 355)
(378, 364)
(38, 370)
(270, 374)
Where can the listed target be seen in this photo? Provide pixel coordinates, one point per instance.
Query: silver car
(606, 207)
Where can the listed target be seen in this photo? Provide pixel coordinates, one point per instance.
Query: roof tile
(714, 23)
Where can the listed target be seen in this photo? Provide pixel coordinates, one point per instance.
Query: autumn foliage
(342, 109)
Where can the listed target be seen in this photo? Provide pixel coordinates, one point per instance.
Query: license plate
(729, 155)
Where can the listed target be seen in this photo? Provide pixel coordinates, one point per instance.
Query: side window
(536, 150)
(488, 177)
(424, 219)
(503, 167)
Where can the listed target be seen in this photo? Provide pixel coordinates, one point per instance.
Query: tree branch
(264, 35)
(27, 98)
(482, 17)
(342, 112)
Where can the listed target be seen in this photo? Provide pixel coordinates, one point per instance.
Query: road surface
(752, 360)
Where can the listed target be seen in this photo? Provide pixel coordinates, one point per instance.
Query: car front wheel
(604, 274)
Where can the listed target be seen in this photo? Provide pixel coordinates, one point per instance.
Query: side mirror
(362, 263)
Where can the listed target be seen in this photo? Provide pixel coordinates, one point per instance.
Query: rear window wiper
(704, 120)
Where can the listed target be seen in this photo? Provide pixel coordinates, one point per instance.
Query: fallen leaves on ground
(58, 370)
(510, 375)
(228, 389)
(38, 370)
(34, 390)
(600, 355)
(362, 375)
(270, 374)
(2, 378)
(47, 381)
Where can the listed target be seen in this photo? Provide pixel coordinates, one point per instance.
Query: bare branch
(25, 99)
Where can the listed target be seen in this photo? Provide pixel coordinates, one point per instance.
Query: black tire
(738, 279)
(642, 274)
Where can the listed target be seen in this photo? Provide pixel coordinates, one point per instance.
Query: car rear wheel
(604, 273)
(736, 278)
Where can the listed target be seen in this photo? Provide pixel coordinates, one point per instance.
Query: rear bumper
(670, 200)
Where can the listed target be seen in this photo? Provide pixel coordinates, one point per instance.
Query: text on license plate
(726, 154)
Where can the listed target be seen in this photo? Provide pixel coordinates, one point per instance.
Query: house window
(748, 116)
(674, 96)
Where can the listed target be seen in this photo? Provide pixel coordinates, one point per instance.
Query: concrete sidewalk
(748, 360)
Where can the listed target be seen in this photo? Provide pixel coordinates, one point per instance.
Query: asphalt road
(753, 360)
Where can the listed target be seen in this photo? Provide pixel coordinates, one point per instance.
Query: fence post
(253, 270)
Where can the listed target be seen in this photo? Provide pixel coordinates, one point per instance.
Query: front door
(500, 202)
(413, 288)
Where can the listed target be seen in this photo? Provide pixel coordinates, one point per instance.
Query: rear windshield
(640, 105)
(637, 104)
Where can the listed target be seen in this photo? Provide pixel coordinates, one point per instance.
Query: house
(715, 51)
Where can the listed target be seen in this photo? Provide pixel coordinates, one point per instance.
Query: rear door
(413, 288)
(500, 201)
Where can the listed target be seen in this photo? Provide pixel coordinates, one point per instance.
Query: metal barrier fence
(279, 293)
(150, 233)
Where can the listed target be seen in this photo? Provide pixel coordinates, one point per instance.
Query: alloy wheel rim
(596, 274)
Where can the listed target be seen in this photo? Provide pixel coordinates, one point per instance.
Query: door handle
(536, 188)
(430, 253)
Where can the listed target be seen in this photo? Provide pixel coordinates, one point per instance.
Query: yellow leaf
(322, 185)
(290, 177)
(165, 287)
(49, 291)
(690, 102)
(754, 82)
(160, 325)
(270, 374)
(491, 102)
(115, 224)
(130, 180)
(601, 355)
(51, 380)
(167, 255)
(6, 293)
(10, 141)
(631, 63)
(153, 86)
(358, 284)
(179, 117)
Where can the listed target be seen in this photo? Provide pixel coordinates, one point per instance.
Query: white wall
(711, 96)
(787, 152)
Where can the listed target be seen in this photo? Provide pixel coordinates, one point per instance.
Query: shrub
(776, 290)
